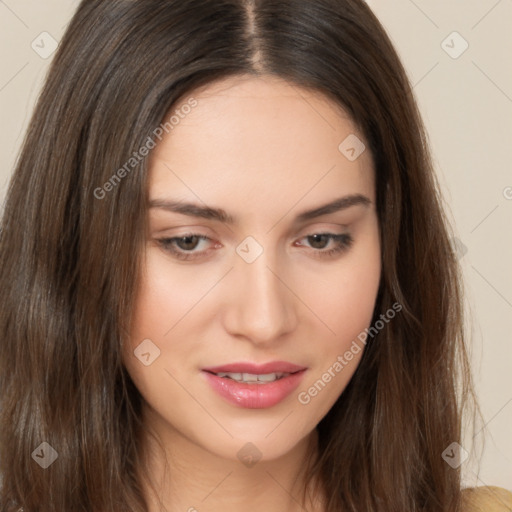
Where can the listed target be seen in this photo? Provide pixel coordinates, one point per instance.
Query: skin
(264, 151)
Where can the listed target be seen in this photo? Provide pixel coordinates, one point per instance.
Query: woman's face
(254, 269)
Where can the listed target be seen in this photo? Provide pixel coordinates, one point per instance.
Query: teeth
(250, 378)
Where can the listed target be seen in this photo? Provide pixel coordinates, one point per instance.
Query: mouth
(255, 386)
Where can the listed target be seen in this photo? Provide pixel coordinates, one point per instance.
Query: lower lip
(255, 396)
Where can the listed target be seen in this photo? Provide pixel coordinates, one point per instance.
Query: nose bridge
(262, 307)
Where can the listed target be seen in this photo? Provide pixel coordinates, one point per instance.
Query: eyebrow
(218, 214)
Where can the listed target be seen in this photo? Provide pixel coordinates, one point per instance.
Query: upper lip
(256, 369)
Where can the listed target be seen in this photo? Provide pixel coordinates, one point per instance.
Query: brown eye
(182, 247)
(319, 241)
(187, 243)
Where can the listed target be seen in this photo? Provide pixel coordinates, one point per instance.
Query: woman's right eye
(182, 246)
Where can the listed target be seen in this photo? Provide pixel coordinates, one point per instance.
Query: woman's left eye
(183, 247)
(342, 242)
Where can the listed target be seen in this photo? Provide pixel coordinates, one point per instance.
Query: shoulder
(486, 499)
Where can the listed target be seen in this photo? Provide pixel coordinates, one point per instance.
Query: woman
(227, 275)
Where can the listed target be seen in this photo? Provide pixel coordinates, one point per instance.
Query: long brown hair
(70, 255)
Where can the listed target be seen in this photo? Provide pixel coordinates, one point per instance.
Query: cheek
(344, 301)
(159, 305)
(343, 296)
(339, 349)
(167, 312)
(165, 296)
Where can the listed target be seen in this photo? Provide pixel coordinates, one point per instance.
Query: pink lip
(255, 396)
(256, 369)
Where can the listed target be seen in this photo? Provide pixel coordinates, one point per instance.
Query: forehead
(259, 136)
(263, 103)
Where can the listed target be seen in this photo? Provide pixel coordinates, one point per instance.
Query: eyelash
(343, 242)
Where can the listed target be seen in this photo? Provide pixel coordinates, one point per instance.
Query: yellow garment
(487, 499)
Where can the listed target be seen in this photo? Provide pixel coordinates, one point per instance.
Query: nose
(261, 306)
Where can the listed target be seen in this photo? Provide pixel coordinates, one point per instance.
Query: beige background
(467, 107)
